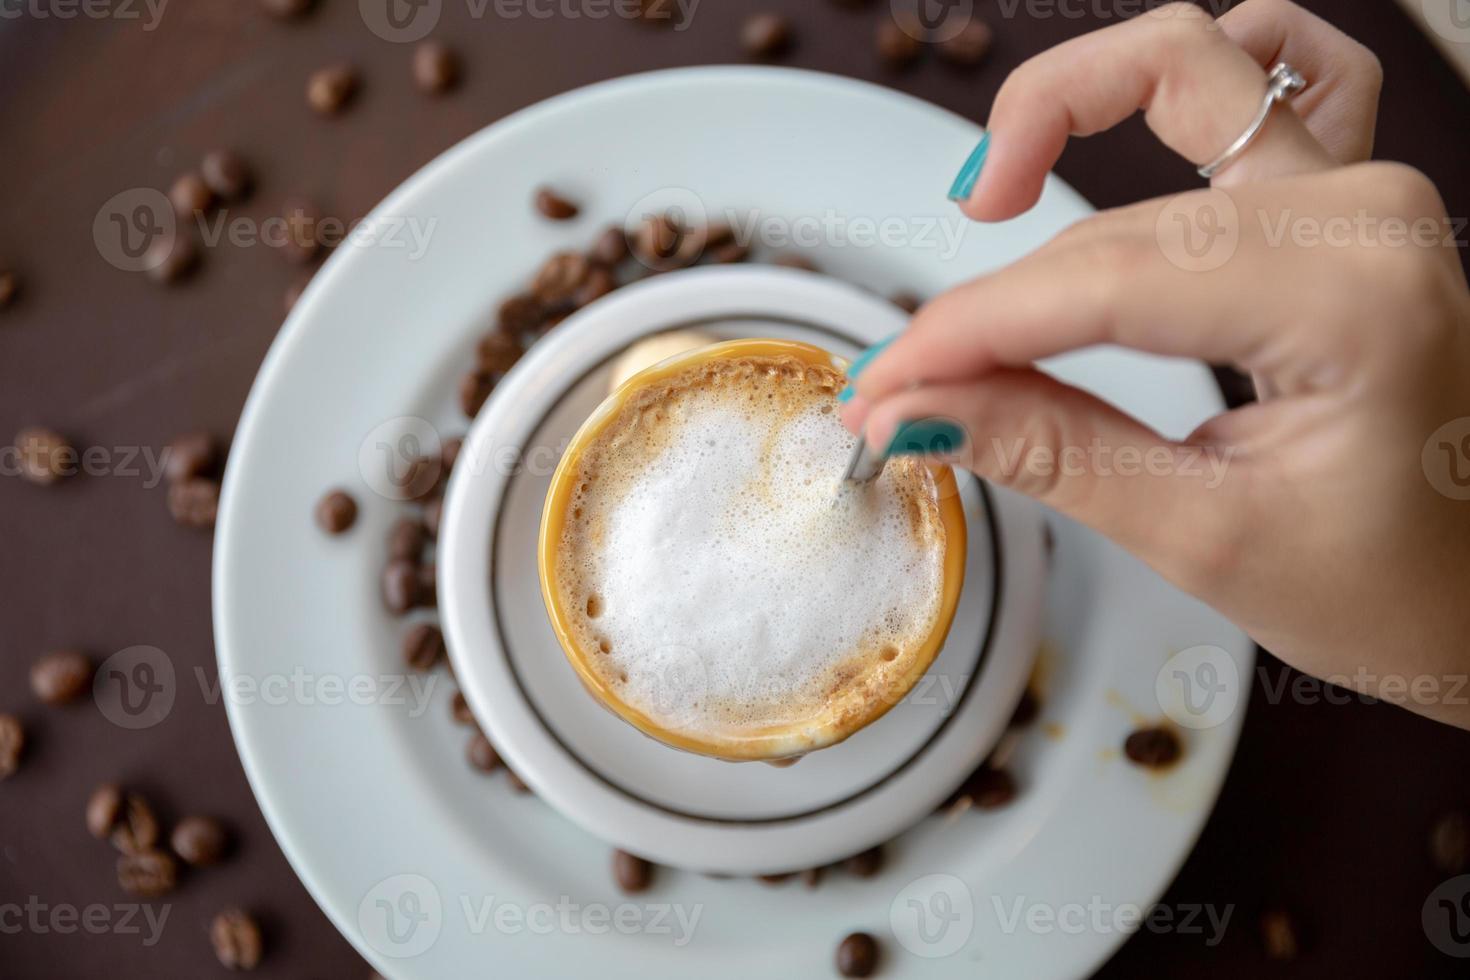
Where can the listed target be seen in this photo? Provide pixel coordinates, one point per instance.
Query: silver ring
(1283, 83)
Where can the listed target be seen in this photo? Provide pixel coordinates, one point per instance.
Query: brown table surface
(1327, 808)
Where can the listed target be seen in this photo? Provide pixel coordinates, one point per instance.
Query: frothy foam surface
(721, 580)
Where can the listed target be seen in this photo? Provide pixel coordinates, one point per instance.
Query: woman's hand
(1329, 535)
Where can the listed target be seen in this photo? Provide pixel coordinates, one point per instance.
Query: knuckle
(1402, 191)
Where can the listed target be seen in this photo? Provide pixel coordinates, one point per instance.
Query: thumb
(1026, 431)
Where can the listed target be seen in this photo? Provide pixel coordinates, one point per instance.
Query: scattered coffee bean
(302, 241)
(552, 205)
(293, 292)
(866, 864)
(190, 195)
(989, 788)
(61, 676)
(400, 586)
(611, 247)
(227, 174)
(423, 646)
(329, 89)
(407, 540)
(236, 940)
(1154, 747)
(482, 754)
(474, 388)
(775, 879)
(516, 783)
(729, 253)
(336, 512)
(906, 301)
(1449, 844)
(9, 287)
(287, 9)
(44, 455)
(459, 709)
(104, 807)
(765, 35)
(498, 351)
(449, 452)
(136, 830)
(194, 503)
(1027, 709)
(519, 315)
(1279, 935)
(190, 455)
(435, 68)
(897, 48)
(426, 477)
(12, 744)
(428, 586)
(171, 259)
(857, 955)
(811, 877)
(632, 873)
(147, 875)
(656, 242)
(559, 278)
(792, 260)
(598, 283)
(200, 841)
(433, 513)
(970, 46)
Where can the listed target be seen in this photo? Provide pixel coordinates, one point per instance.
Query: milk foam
(721, 579)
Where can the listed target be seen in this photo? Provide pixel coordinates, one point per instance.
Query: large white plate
(411, 854)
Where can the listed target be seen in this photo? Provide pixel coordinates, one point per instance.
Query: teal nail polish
(964, 181)
(861, 362)
(925, 437)
(846, 394)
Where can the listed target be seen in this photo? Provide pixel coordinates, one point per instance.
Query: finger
(1340, 105)
(1198, 89)
(1069, 450)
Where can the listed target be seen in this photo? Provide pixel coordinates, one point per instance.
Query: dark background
(1327, 809)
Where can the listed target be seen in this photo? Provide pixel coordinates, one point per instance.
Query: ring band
(1283, 83)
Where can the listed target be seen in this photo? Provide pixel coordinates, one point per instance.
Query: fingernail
(847, 394)
(925, 437)
(861, 362)
(964, 181)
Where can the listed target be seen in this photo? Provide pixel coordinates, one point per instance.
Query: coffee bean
(611, 247)
(1027, 709)
(516, 783)
(1279, 935)
(729, 253)
(190, 195)
(857, 955)
(474, 388)
(137, 829)
(482, 754)
(989, 788)
(765, 35)
(552, 205)
(400, 586)
(287, 9)
(329, 89)
(44, 455)
(170, 259)
(498, 351)
(148, 874)
(811, 877)
(293, 292)
(897, 48)
(598, 283)
(190, 455)
(866, 864)
(449, 452)
(520, 314)
(970, 46)
(1154, 747)
(1449, 843)
(435, 68)
(302, 240)
(632, 873)
(12, 744)
(906, 301)
(336, 512)
(459, 709)
(61, 676)
(559, 278)
(791, 260)
(200, 841)
(104, 807)
(656, 242)
(227, 174)
(423, 646)
(433, 513)
(774, 879)
(9, 287)
(407, 540)
(194, 503)
(428, 585)
(236, 940)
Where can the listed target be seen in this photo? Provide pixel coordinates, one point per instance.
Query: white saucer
(401, 843)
